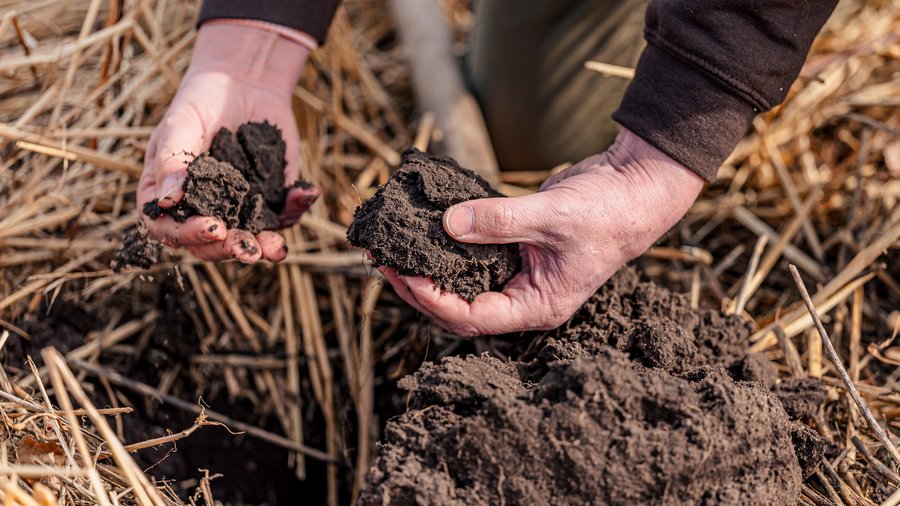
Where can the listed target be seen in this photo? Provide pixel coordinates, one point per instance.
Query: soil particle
(249, 247)
(138, 249)
(401, 227)
(240, 180)
(639, 399)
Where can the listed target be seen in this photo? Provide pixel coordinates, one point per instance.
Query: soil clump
(638, 399)
(401, 228)
(240, 180)
(138, 249)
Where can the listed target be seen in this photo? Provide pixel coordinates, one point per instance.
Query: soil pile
(637, 400)
(401, 228)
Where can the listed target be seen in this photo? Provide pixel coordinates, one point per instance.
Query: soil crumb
(401, 228)
(138, 249)
(639, 399)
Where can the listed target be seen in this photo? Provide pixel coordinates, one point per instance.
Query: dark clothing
(310, 16)
(712, 65)
(709, 67)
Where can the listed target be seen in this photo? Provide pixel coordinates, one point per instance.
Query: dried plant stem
(144, 389)
(835, 359)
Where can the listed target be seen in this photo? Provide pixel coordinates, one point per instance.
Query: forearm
(710, 67)
(251, 54)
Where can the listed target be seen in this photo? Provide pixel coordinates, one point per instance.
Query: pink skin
(578, 230)
(237, 74)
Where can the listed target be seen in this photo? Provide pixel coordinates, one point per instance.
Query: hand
(584, 224)
(237, 74)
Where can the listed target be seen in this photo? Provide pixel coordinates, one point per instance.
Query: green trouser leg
(526, 68)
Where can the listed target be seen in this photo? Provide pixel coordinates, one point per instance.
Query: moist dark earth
(638, 399)
(138, 249)
(401, 228)
(240, 180)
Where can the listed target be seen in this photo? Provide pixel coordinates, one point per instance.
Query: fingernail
(168, 186)
(459, 221)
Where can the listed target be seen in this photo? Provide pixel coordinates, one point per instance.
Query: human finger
(501, 220)
(195, 231)
(299, 200)
(513, 310)
(402, 290)
(238, 244)
(176, 140)
(272, 246)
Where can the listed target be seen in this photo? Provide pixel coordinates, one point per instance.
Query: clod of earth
(240, 181)
(401, 228)
(138, 249)
(638, 399)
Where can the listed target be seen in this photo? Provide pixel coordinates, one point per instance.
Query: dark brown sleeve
(710, 66)
(310, 16)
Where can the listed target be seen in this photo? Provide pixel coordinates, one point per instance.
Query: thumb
(500, 220)
(180, 137)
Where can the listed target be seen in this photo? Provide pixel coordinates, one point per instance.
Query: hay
(83, 82)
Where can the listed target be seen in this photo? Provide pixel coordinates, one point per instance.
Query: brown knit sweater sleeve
(310, 16)
(710, 66)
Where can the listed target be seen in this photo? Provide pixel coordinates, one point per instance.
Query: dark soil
(240, 180)
(637, 400)
(62, 325)
(138, 250)
(401, 228)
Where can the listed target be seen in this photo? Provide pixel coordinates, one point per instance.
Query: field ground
(274, 381)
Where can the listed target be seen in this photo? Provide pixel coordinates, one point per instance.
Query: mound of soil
(401, 228)
(637, 400)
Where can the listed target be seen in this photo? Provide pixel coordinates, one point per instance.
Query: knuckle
(501, 219)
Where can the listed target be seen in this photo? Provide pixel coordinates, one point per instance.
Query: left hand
(578, 230)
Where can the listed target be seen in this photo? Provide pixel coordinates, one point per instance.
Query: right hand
(237, 74)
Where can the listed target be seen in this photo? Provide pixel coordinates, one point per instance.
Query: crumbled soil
(63, 325)
(240, 180)
(138, 249)
(801, 397)
(639, 399)
(401, 228)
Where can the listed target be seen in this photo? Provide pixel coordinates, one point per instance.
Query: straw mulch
(310, 349)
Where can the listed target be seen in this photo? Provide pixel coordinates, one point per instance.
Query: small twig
(833, 356)
(608, 69)
(876, 464)
(149, 391)
(791, 356)
(744, 294)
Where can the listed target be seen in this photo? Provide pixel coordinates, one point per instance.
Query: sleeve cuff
(684, 112)
(309, 16)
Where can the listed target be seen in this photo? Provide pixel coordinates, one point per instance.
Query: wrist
(250, 54)
(660, 189)
(633, 152)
